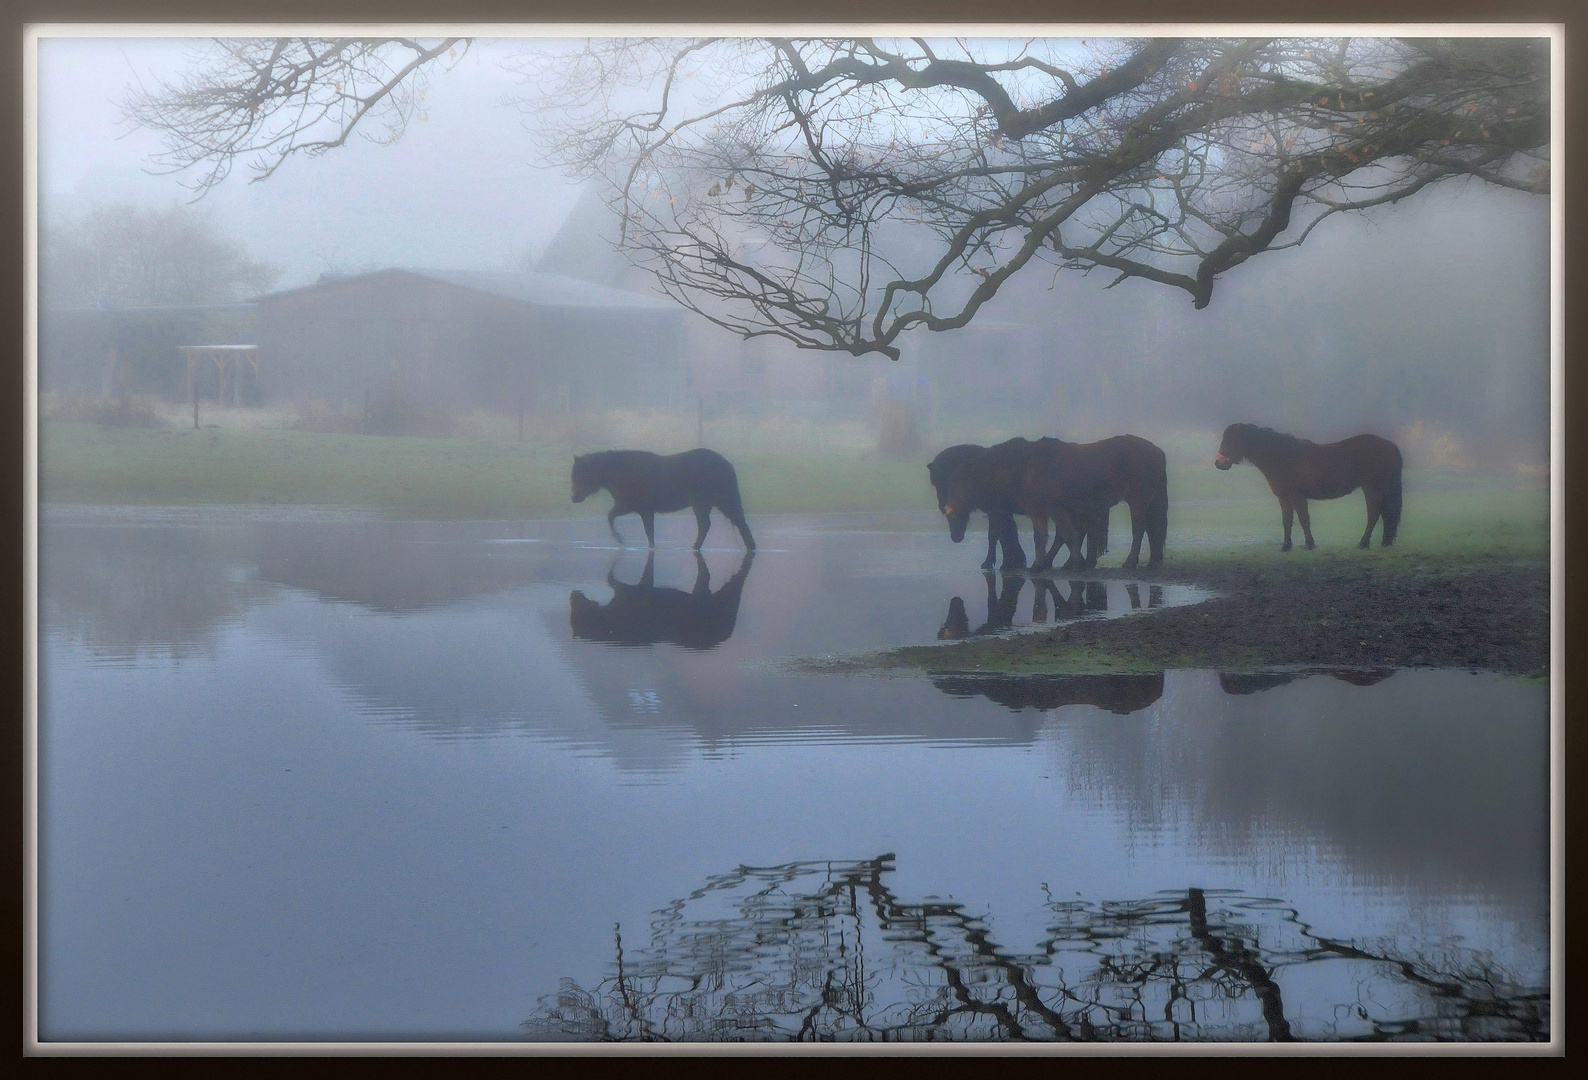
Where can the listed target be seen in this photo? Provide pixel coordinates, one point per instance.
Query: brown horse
(1299, 469)
(1075, 485)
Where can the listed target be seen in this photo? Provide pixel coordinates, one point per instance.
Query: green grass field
(1214, 516)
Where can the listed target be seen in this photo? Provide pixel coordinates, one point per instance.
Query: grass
(1215, 518)
(414, 477)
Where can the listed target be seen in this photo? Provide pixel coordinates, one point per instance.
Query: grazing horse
(990, 481)
(1075, 484)
(1299, 469)
(1000, 518)
(647, 484)
(642, 614)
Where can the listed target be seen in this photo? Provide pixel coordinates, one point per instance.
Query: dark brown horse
(1299, 469)
(647, 484)
(1000, 516)
(994, 481)
(1075, 485)
(989, 481)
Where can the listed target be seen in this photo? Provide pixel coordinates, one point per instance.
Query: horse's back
(701, 476)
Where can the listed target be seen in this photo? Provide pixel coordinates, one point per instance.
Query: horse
(1075, 485)
(642, 614)
(1299, 469)
(646, 484)
(1000, 519)
(990, 481)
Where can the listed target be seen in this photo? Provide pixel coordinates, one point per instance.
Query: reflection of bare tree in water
(824, 951)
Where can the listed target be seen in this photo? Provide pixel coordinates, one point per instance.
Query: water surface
(322, 776)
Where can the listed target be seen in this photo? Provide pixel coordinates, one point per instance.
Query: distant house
(470, 340)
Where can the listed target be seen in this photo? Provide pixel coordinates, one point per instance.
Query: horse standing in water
(1299, 469)
(1000, 516)
(647, 484)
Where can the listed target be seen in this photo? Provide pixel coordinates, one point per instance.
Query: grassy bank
(413, 477)
(1215, 517)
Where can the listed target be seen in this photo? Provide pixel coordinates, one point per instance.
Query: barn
(467, 340)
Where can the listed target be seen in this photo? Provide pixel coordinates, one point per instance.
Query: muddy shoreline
(1474, 613)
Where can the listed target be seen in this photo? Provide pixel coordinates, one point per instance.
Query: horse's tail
(1392, 504)
(1158, 509)
(733, 507)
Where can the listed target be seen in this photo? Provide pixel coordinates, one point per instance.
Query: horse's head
(940, 468)
(584, 484)
(955, 501)
(1232, 448)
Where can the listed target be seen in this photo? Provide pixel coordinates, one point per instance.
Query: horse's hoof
(1364, 545)
(1284, 547)
(1388, 543)
(1311, 545)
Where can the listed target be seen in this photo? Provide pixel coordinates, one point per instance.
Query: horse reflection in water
(642, 614)
(827, 951)
(1085, 597)
(1258, 681)
(1118, 694)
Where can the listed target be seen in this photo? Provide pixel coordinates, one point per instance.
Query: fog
(1426, 321)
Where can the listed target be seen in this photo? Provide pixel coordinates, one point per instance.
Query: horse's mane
(1266, 438)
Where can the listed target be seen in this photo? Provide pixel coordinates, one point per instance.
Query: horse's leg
(703, 519)
(1009, 536)
(649, 518)
(702, 576)
(1138, 529)
(1096, 538)
(992, 543)
(1157, 531)
(1375, 506)
(1286, 509)
(612, 524)
(1039, 541)
(1306, 522)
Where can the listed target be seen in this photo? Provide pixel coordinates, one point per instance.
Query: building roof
(541, 289)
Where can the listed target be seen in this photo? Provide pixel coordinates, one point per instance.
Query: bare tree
(839, 192)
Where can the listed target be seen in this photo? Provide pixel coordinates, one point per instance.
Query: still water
(320, 776)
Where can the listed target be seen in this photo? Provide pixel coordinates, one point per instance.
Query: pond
(312, 776)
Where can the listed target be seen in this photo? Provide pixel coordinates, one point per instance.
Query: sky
(360, 207)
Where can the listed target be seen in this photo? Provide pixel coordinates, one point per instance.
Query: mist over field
(1425, 321)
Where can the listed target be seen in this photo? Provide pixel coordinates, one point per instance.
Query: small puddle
(1053, 601)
